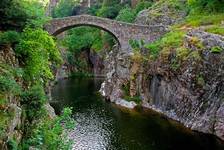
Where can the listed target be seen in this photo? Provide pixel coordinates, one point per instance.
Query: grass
(216, 49)
(196, 20)
(5, 117)
(171, 40)
(216, 29)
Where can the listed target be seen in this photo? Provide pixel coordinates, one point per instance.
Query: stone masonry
(122, 31)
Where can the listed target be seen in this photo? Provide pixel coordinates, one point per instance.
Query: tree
(16, 14)
(207, 5)
(126, 15)
(64, 8)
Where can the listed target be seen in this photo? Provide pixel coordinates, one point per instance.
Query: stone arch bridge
(122, 31)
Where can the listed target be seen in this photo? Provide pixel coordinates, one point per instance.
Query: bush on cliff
(37, 53)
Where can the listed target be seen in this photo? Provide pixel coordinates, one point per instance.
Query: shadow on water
(102, 125)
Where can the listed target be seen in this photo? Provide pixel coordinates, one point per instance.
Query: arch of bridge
(122, 31)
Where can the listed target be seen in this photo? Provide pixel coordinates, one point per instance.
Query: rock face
(193, 94)
(163, 13)
(11, 110)
(12, 126)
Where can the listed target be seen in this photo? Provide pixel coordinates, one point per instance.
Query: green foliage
(200, 80)
(174, 65)
(9, 37)
(108, 39)
(5, 117)
(50, 133)
(126, 90)
(142, 5)
(216, 30)
(9, 85)
(97, 45)
(109, 11)
(33, 99)
(126, 15)
(197, 20)
(206, 5)
(64, 8)
(182, 53)
(81, 74)
(136, 45)
(216, 49)
(37, 51)
(81, 38)
(16, 14)
(170, 41)
(94, 9)
(136, 99)
(12, 144)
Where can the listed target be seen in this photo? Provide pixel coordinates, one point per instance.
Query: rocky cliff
(12, 113)
(9, 103)
(185, 82)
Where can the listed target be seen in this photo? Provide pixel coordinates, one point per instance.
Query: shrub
(51, 133)
(37, 52)
(16, 14)
(9, 85)
(126, 15)
(207, 5)
(93, 10)
(142, 5)
(109, 11)
(9, 37)
(64, 8)
(81, 38)
(33, 99)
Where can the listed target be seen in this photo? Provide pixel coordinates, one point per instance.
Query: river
(101, 125)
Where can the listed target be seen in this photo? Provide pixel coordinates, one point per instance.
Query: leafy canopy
(37, 51)
(16, 14)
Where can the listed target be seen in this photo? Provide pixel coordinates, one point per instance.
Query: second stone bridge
(121, 31)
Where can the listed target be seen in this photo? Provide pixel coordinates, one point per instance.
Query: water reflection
(104, 126)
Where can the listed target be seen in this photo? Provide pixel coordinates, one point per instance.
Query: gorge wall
(190, 90)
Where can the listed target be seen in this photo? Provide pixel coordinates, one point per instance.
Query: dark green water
(104, 126)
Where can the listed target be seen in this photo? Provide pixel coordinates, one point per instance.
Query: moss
(182, 53)
(195, 41)
(175, 65)
(195, 55)
(216, 49)
(3, 123)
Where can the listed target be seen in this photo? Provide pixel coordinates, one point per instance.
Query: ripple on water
(102, 126)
